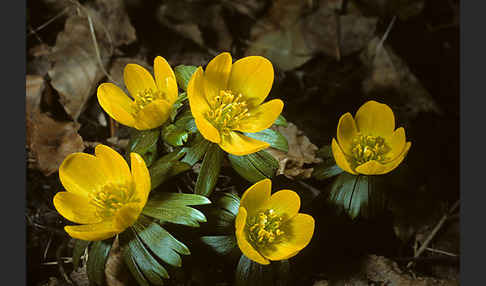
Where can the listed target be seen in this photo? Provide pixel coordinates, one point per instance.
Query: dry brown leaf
(34, 86)
(76, 70)
(116, 272)
(301, 151)
(388, 71)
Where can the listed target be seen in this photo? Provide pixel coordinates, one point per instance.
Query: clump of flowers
(270, 227)
(368, 144)
(152, 100)
(226, 99)
(102, 194)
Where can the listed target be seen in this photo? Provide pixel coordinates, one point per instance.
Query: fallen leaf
(301, 152)
(116, 272)
(76, 71)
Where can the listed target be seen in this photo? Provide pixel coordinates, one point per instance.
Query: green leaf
(357, 195)
(186, 121)
(177, 104)
(173, 207)
(97, 256)
(183, 75)
(145, 144)
(174, 135)
(281, 121)
(229, 202)
(328, 167)
(196, 150)
(250, 273)
(152, 270)
(166, 167)
(222, 221)
(78, 251)
(160, 242)
(208, 175)
(221, 244)
(254, 167)
(274, 138)
(132, 266)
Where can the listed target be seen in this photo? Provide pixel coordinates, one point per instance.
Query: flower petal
(92, 232)
(114, 165)
(82, 173)
(75, 208)
(127, 215)
(285, 203)
(375, 168)
(152, 115)
(256, 196)
(216, 75)
(207, 130)
(261, 117)
(141, 177)
(253, 78)
(138, 79)
(297, 234)
(195, 93)
(172, 92)
(396, 142)
(116, 103)
(165, 79)
(239, 145)
(340, 158)
(242, 241)
(346, 132)
(375, 119)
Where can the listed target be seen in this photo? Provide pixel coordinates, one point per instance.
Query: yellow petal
(82, 173)
(114, 165)
(396, 142)
(116, 103)
(285, 203)
(375, 119)
(92, 232)
(346, 132)
(256, 196)
(261, 117)
(172, 92)
(242, 241)
(375, 168)
(141, 177)
(195, 94)
(239, 145)
(138, 79)
(298, 233)
(207, 130)
(75, 208)
(152, 115)
(165, 79)
(253, 78)
(216, 75)
(340, 158)
(126, 216)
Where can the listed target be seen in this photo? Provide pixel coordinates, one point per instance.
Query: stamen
(145, 97)
(111, 198)
(263, 229)
(227, 110)
(366, 148)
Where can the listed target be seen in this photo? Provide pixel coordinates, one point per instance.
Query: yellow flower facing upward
(227, 98)
(368, 144)
(102, 194)
(271, 227)
(152, 100)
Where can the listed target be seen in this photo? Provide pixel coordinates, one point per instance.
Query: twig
(34, 31)
(385, 36)
(434, 232)
(60, 263)
(441, 252)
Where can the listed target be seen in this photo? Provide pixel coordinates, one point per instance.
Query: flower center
(367, 148)
(145, 97)
(111, 198)
(227, 110)
(264, 228)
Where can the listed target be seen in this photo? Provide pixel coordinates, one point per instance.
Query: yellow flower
(152, 102)
(227, 98)
(369, 143)
(271, 227)
(102, 193)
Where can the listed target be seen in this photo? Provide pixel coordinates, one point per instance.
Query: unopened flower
(152, 100)
(271, 227)
(226, 100)
(102, 194)
(369, 143)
